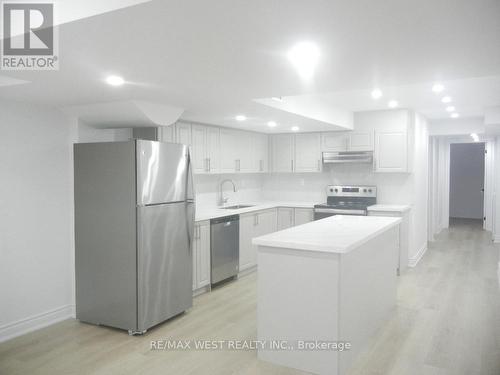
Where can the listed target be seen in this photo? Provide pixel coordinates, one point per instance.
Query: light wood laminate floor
(447, 322)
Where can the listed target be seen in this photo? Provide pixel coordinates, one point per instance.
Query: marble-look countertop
(207, 213)
(390, 207)
(334, 234)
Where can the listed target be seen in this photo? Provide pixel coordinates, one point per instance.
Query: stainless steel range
(346, 200)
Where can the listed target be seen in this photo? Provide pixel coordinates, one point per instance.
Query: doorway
(467, 171)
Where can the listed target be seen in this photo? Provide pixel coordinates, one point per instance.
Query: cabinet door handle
(209, 165)
(239, 165)
(319, 165)
(236, 165)
(261, 165)
(292, 165)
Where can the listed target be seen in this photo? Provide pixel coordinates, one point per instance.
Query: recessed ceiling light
(241, 118)
(277, 98)
(446, 99)
(450, 108)
(271, 124)
(393, 104)
(377, 94)
(437, 88)
(295, 128)
(475, 137)
(304, 57)
(455, 115)
(115, 80)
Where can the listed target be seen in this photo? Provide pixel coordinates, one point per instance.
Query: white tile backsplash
(248, 188)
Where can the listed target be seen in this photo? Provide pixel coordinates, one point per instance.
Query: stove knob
(369, 190)
(336, 190)
(331, 190)
(364, 190)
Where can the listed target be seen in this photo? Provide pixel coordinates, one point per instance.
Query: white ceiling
(215, 58)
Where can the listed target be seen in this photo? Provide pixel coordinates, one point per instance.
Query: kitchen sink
(237, 206)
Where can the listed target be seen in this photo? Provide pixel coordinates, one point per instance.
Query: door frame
(439, 185)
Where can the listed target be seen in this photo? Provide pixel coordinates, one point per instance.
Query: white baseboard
(496, 238)
(14, 329)
(413, 261)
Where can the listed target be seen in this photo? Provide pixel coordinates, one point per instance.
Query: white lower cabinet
(404, 238)
(252, 225)
(286, 217)
(201, 255)
(303, 215)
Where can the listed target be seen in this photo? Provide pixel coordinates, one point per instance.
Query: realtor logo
(28, 37)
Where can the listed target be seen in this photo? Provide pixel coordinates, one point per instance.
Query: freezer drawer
(164, 262)
(224, 247)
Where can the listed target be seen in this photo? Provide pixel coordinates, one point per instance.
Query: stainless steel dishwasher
(224, 247)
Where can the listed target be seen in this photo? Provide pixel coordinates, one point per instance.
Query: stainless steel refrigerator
(134, 220)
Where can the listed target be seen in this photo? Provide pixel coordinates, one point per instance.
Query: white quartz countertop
(207, 213)
(334, 234)
(390, 207)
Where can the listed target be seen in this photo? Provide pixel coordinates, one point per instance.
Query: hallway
(448, 319)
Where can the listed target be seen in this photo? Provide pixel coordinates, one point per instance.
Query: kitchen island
(325, 285)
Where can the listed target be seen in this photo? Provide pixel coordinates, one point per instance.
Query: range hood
(348, 157)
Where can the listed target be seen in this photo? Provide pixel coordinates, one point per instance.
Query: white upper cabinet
(205, 149)
(199, 149)
(229, 148)
(391, 151)
(261, 153)
(361, 141)
(282, 151)
(245, 152)
(392, 131)
(334, 141)
(213, 149)
(183, 133)
(308, 152)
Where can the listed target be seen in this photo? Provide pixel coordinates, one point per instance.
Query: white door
(303, 215)
(199, 148)
(334, 141)
(247, 229)
(307, 152)
(391, 151)
(228, 152)
(361, 141)
(213, 149)
(285, 218)
(282, 153)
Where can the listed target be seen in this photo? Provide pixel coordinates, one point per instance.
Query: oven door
(321, 213)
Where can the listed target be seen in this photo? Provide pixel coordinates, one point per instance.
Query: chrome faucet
(223, 200)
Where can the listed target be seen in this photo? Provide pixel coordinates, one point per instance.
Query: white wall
(36, 241)
(464, 126)
(86, 133)
(248, 189)
(420, 190)
(496, 194)
(466, 180)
